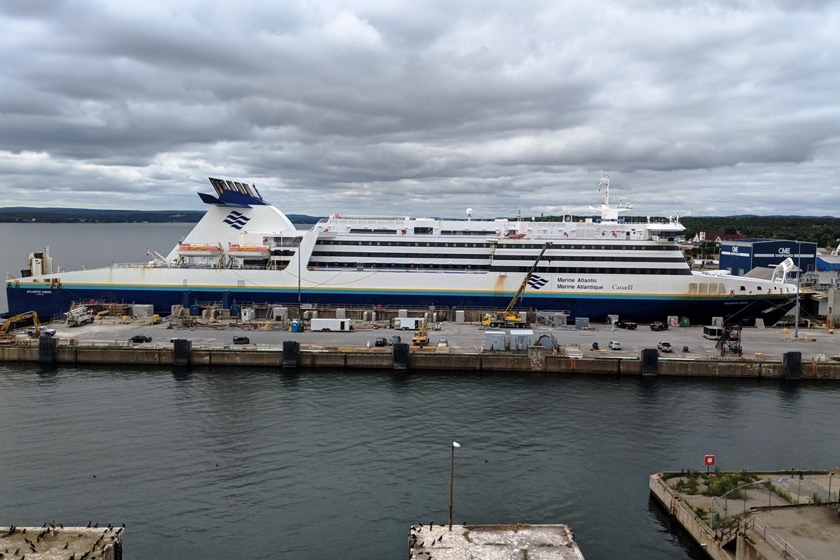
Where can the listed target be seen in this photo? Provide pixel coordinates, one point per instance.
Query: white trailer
(408, 323)
(326, 325)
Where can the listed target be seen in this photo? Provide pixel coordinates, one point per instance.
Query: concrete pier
(456, 346)
(360, 358)
(54, 542)
(493, 542)
(765, 516)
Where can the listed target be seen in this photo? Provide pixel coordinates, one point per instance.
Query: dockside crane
(508, 318)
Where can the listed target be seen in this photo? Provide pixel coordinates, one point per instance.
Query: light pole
(725, 497)
(798, 280)
(297, 254)
(452, 478)
(799, 490)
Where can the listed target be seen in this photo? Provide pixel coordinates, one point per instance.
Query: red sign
(709, 460)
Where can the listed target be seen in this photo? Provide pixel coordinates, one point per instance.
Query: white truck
(326, 325)
(79, 316)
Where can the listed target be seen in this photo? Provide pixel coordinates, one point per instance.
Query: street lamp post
(798, 280)
(725, 497)
(799, 490)
(297, 254)
(452, 478)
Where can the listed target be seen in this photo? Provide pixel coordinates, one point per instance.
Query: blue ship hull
(51, 302)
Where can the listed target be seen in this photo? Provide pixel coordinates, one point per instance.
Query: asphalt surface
(687, 342)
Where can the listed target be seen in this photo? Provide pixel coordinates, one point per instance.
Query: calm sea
(326, 464)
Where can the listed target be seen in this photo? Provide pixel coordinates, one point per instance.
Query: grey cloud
(422, 108)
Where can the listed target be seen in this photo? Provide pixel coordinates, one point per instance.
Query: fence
(774, 539)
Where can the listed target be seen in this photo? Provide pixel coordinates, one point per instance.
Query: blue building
(740, 257)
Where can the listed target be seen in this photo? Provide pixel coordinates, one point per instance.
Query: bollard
(291, 353)
(400, 356)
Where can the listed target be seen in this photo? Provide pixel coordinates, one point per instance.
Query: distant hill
(824, 230)
(84, 215)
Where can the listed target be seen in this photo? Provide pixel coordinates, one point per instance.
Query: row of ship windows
(704, 288)
(479, 268)
(423, 231)
(557, 245)
(460, 256)
(430, 231)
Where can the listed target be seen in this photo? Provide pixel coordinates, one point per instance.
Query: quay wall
(535, 359)
(689, 521)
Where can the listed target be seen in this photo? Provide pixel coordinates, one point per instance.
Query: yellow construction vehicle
(35, 330)
(508, 318)
(421, 338)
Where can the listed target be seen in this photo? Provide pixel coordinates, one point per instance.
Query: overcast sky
(410, 107)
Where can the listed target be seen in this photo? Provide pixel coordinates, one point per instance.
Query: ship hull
(51, 300)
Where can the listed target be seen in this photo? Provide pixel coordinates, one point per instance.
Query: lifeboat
(235, 250)
(511, 235)
(198, 250)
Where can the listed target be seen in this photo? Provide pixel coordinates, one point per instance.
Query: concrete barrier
(596, 366)
(536, 360)
(368, 361)
(439, 362)
(323, 360)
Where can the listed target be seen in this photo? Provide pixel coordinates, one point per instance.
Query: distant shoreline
(90, 216)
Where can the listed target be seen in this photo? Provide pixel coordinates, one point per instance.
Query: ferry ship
(246, 250)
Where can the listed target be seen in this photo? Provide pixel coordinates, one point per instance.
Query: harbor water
(326, 464)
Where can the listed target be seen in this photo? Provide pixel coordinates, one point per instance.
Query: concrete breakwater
(535, 359)
(754, 515)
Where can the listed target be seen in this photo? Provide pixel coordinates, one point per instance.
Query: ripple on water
(201, 465)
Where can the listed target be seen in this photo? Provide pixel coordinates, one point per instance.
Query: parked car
(241, 340)
(140, 338)
(443, 343)
(380, 341)
(395, 339)
(614, 345)
(658, 326)
(43, 331)
(630, 325)
(665, 347)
